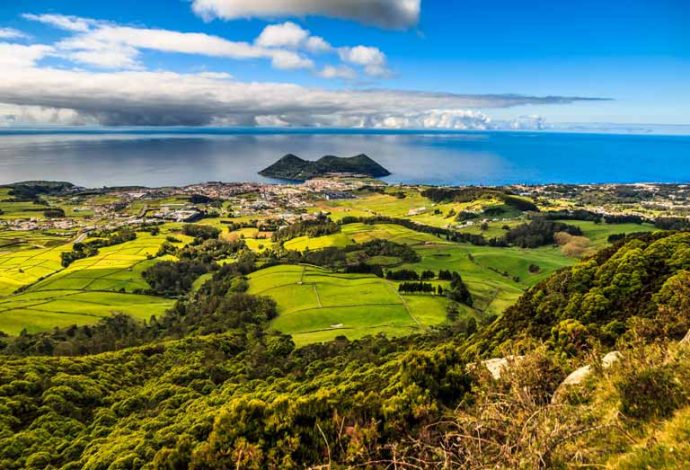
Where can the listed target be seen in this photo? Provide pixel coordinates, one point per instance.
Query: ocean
(164, 157)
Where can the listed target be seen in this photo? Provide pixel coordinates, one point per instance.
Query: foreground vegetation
(220, 390)
(359, 333)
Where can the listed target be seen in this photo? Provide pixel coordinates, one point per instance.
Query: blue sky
(383, 63)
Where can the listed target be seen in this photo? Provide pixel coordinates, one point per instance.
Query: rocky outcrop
(497, 366)
(579, 375)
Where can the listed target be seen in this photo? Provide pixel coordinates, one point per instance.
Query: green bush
(650, 393)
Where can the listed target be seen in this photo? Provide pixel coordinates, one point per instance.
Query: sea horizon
(162, 158)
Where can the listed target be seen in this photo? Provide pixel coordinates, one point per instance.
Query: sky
(445, 64)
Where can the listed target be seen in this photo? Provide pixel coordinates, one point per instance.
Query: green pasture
(255, 240)
(115, 268)
(599, 233)
(362, 233)
(19, 268)
(495, 228)
(496, 276)
(414, 207)
(44, 310)
(489, 272)
(82, 293)
(15, 240)
(316, 305)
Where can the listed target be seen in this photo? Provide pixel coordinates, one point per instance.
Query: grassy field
(361, 233)
(414, 207)
(496, 277)
(599, 233)
(317, 305)
(82, 293)
(27, 266)
(44, 310)
(115, 268)
(255, 240)
(16, 240)
(18, 210)
(314, 304)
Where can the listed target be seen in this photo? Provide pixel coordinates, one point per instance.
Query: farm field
(82, 293)
(44, 310)
(27, 266)
(413, 206)
(24, 240)
(599, 233)
(115, 268)
(18, 210)
(255, 240)
(362, 233)
(496, 277)
(316, 305)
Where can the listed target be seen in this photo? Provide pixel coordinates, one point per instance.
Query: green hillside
(212, 385)
(399, 326)
(317, 305)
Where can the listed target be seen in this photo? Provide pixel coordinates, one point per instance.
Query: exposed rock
(496, 366)
(610, 359)
(577, 376)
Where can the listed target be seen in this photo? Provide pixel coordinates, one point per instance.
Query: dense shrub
(473, 194)
(672, 223)
(623, 284)
(402, 275)
(458, 291)
(200, 232)
(309, 228)
(54, 213)
(172, 279)
(538, 232)
(650, 393)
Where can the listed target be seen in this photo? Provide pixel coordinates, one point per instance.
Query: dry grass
(573, 246)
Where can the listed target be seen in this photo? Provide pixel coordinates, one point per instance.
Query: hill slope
(244, 397)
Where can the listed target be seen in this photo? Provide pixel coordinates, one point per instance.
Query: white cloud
(107, 56)
(108, 45)
(287, 45)
(21, 56)
(433, 119)
(68, 23)
(287, 34)
(371, 58)
(528, 122)
(167, 98)
(287, 60)
(292, 36)
(386, 13)
(343, 72)
(317, 45)
(39, 116)
(132, 95)
(11, 33)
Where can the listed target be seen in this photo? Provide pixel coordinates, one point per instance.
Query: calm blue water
(491, 158)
